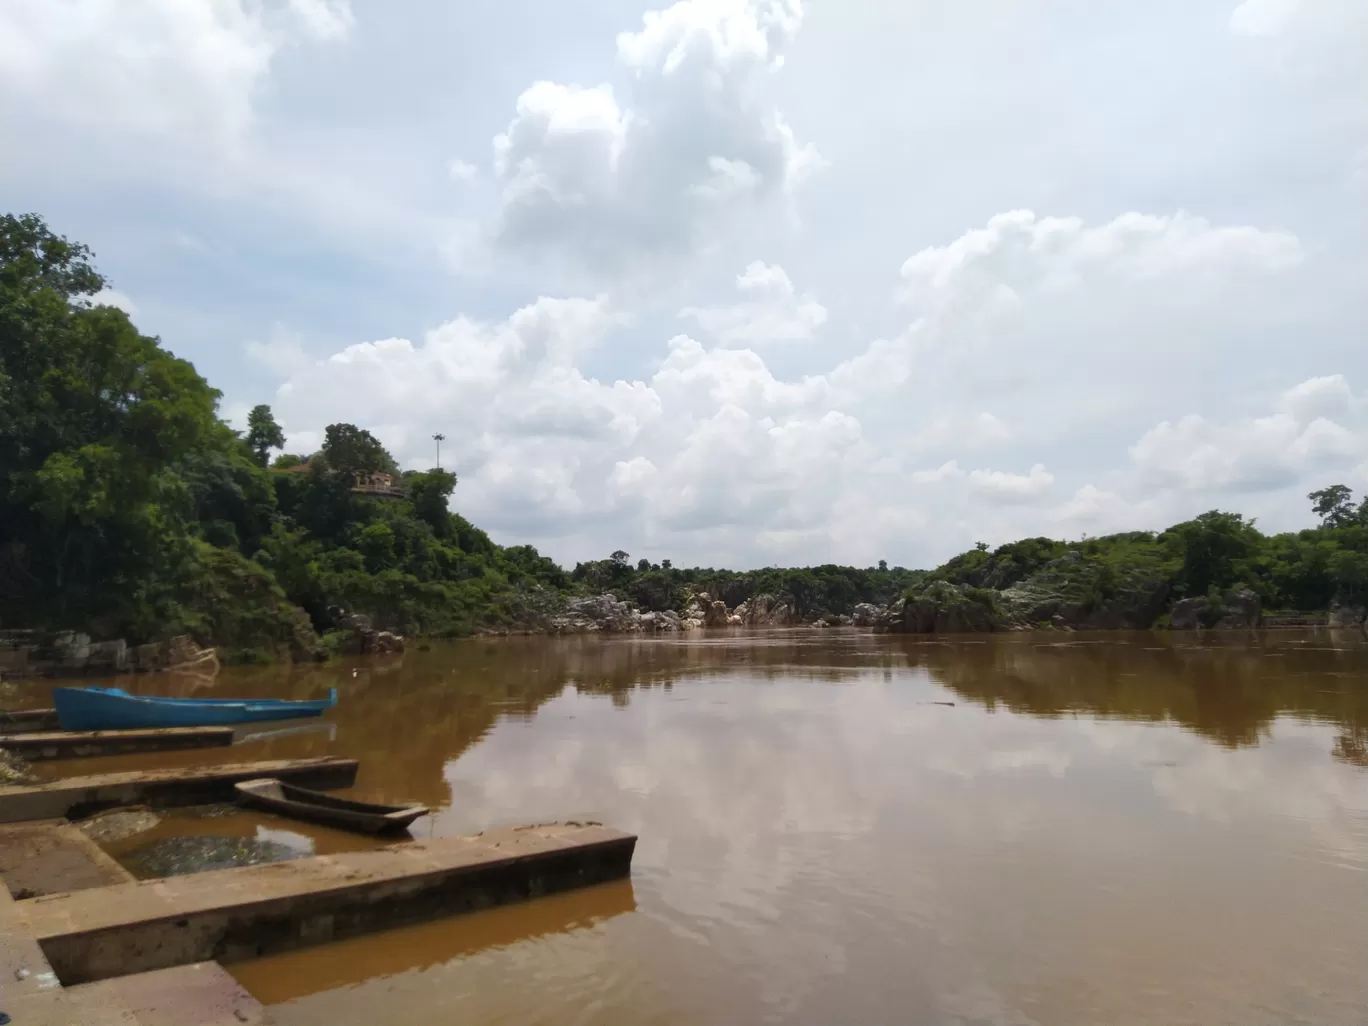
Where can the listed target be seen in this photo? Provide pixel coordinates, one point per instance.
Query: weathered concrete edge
(253, 929)
(164, 788)
(20, 721)
(197, 994)
(84, 744)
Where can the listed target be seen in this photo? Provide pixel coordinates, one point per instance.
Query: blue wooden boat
(115, 709)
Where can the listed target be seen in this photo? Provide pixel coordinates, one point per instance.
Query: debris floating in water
(118, 824)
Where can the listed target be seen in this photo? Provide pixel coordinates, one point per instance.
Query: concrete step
(201, 785)
(18, 721)
(77, 744)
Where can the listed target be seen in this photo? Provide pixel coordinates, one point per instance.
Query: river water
(843, 828)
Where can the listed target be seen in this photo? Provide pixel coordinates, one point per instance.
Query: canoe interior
(289, 792)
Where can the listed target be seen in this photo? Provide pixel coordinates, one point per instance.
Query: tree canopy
(353, 450)
(263, 434)
(131, 509)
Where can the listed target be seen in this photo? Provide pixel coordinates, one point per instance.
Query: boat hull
(326, 809)
(111, 709)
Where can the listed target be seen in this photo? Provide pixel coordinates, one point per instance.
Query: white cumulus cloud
(1003, 486)
(714, 455)
(159, 68)
(608, 177)
(771, 310)
(1258, 453)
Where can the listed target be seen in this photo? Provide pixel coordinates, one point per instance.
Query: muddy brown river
(842, 828)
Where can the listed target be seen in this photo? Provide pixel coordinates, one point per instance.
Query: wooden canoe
(301, 803)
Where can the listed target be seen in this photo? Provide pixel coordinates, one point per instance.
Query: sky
(741, 282)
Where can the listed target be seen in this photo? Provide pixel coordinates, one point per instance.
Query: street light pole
(439, 438)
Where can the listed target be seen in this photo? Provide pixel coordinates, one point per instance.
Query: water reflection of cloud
(288, 838)
(758, 806)
(1290, 779)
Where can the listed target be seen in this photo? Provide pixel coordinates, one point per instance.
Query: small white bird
(354, 671)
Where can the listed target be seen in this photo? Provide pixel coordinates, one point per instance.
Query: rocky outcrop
(866, 614)
(72, 653)
(1187, 613)
(1079, 592)
(715, 615)
(695, 614)
(944, 608)
(603, 612)
(765, 610)
(1348, 617)
(1236, 610)
(869, 614)
(610, 614)
(362, 637)
(1240, 609)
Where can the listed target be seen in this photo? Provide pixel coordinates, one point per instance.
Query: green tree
(352, 450)
(94, 418)
(430, 495)
(1334, 505)
(263, 434)
(1213, 547)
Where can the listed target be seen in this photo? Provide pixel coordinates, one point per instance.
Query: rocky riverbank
(1065, 595)
(27, 653)
(1050, 601)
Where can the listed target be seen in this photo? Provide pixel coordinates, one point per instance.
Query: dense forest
(129, 508)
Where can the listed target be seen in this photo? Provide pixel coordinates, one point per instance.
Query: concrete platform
(49, 858)
(66, 744)
(80, 796)
(236, 914)
(191, 995)
(21, 721)
(24, 969)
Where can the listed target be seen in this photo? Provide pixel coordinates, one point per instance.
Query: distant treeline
(128, 508)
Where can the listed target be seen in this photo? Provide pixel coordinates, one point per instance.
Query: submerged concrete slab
(49, 858)
(235, 914)
(201, 785)
(19, 721)
(66, 744)
(202, 994)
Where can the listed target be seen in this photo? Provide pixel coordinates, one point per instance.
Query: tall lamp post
(439, 438)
